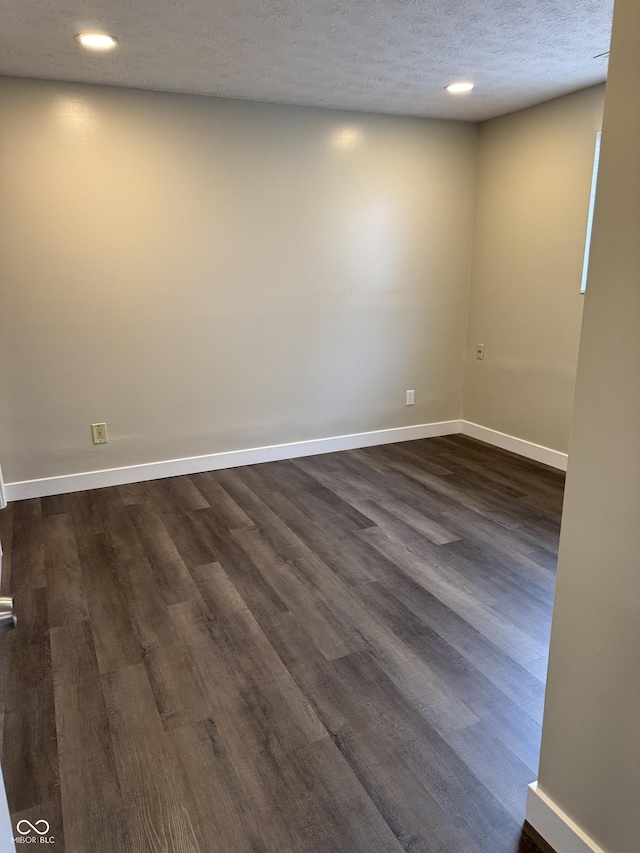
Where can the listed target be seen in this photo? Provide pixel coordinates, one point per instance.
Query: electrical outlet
(99, 432)
(480, 352)
(411, 398)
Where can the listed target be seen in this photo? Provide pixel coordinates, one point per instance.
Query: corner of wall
(474, 214)
(555, 826)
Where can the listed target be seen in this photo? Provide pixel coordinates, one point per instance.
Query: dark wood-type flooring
(340, 653)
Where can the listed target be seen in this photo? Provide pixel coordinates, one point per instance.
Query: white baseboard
(528, 449)
(3, 494)
(555, 826)
(214, 461)
(232, 459)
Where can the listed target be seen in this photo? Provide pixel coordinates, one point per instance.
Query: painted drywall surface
(534, 181)
(590, 761)
(205, 275)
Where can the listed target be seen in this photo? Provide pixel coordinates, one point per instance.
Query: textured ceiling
(390, 56)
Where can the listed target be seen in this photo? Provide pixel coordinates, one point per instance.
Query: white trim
(231, 459)
(555, 826)
(537, 452)
(3, 495)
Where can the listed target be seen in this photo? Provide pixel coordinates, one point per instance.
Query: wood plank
(266, 683)
(170, 572)
(324, 507)
(479, 693)
(115, 518)
(226, 511)
(503, 460)
(176, 494)
(332, 638)
(27, 551)
(462, 598)
(380, 510)
(30, 756)
(281, 476)
(417, 780)
(158, 812)
(84, 510)
(495, 766)
(194, 548)
(6, 538)
(177, 696)
(234, 711)
(327, 807)
(515, 680)
(92, 805)
(330, 470)
(113, 635)
(415, 677)
(65, 591)
(261, 597)
(352, 559)
(227, 820)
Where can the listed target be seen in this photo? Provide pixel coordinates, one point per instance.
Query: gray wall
(206, 275)
(534, 181)
(590, 762)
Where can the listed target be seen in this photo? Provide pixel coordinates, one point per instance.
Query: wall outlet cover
(99, 433)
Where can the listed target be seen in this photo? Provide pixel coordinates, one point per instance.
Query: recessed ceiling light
(97, 41)
(459, 88)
